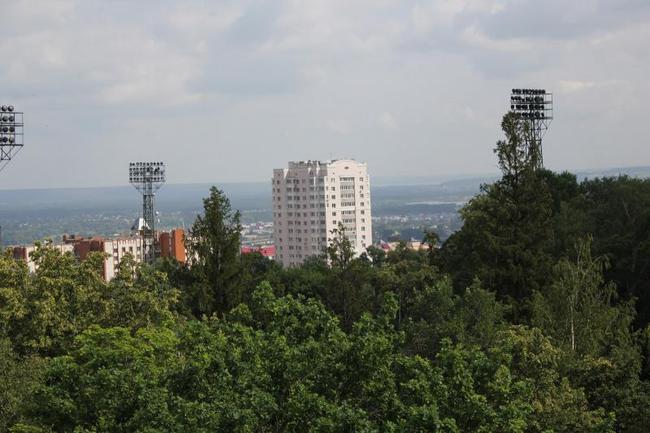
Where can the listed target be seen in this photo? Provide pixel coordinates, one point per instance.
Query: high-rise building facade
(311, 198)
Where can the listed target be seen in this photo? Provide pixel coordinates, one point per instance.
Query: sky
(225, 91)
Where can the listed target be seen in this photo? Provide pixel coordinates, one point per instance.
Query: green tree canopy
(213, 247)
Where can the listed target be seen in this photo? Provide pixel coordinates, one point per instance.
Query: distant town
(309, 200)
(399, 212)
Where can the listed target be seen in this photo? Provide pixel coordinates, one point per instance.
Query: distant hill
(641, 172)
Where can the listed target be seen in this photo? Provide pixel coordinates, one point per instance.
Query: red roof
(266, 250)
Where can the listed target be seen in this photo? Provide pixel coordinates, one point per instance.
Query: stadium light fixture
(11, 134)
(147, 178)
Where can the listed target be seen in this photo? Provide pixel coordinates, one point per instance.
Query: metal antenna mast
(535, 108)
(147, 178)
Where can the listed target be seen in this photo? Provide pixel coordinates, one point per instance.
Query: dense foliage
(531, 318)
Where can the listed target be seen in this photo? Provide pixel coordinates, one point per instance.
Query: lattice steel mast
(11, 139)
(534, 107)
(147, 178)
(11, 134)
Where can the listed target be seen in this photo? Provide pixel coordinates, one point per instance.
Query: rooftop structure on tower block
(311, 198)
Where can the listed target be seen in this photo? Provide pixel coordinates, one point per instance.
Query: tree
(348, 292)
(62, 298)
(339, 248)
(43, 313)
(111, 381)
(214, 254)
(580, 312)
(436, 313)
(18, 378)
(506, 238)
(377, 256)
(558, 405)
(138, 296)
(616, 212)
(578, 309)
(14, 283)
(432, 239)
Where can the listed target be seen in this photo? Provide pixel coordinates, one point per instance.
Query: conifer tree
(214, 255)
(507, 234)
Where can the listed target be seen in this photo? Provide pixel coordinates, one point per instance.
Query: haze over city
(324, 216)
(228, 90)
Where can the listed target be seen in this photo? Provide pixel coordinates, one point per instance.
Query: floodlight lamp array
(529, 91)
(11, 132)
(144, 172)
(532, 104)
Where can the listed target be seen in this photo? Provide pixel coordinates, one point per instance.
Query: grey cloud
(561, 19)
(412, 87)
(247, 74)
(257, 24)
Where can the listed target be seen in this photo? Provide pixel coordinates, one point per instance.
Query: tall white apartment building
(311, 198)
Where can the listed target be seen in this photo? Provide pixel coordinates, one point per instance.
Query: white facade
(116, 249)
(25, 253)
(310, 199)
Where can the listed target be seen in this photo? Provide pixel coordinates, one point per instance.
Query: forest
(533, 317)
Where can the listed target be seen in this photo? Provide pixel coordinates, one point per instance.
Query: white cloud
(570, 86)
(338, 126)
(474, 37)
(387, 121)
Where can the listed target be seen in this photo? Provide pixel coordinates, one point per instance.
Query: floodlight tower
(533, 107)
(11, 138)
(11, 134)
(147, 178)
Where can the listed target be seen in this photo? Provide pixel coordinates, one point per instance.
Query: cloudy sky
(228, 90)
